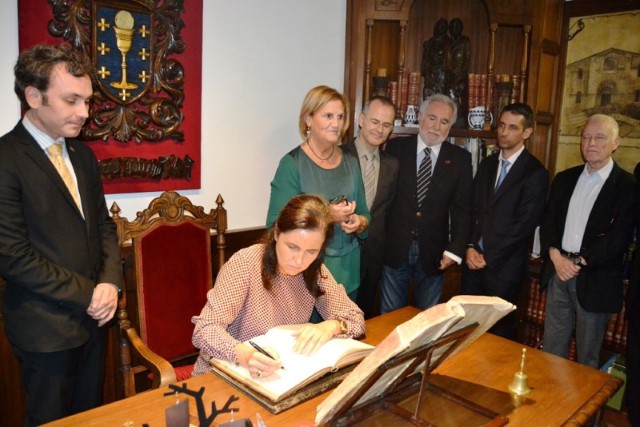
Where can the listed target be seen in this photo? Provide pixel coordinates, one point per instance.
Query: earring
(308, 131)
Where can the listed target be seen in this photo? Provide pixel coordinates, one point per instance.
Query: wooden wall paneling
(543, 81)
(354, 62)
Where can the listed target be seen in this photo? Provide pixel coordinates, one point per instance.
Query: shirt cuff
(456, 258)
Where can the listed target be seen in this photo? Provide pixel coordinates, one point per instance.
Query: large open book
(426, 327)
(299, 370)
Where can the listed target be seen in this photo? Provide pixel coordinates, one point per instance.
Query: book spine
(404, 93)
(610, 331)
(393, 92)
(573, 355)
(413, 91)
(620, 324)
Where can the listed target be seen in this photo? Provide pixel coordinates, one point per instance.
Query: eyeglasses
(599, 139)
(376, 123)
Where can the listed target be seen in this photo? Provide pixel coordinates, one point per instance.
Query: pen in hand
(263, 351)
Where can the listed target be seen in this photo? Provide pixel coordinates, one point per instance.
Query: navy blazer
(506, 217)
(50, 256)
(606, 236)
(444, 220)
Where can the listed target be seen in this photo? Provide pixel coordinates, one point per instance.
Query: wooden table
(562, 391)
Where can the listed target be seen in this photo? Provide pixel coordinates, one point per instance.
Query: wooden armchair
(170, 243)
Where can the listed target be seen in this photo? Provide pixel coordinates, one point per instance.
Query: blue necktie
(503, 173)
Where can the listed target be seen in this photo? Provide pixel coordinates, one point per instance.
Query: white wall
(259, 60)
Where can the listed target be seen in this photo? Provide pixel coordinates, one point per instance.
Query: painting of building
(602, 75)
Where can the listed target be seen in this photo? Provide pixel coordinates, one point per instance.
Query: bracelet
(364, 224)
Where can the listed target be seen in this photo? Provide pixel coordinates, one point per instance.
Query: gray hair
(613, 124)
(438, 97)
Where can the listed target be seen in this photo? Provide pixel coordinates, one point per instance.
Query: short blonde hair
(317, 98)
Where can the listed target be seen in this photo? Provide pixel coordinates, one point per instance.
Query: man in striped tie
(379, 175)
(429, 220)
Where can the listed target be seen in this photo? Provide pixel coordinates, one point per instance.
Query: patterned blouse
(239, 308)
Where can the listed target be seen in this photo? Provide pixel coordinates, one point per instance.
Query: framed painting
(602, 75)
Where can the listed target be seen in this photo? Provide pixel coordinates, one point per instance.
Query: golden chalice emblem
(124, 37)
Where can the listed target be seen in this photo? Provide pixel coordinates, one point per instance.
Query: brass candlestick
(124, 39)
(520, 383)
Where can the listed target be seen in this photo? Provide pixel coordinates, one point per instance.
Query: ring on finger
(258, 373)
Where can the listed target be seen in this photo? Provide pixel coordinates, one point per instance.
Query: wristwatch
(343, 326)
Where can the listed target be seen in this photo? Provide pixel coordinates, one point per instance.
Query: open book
(300, 370)
(426, 327)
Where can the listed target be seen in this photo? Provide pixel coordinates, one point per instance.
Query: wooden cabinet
(389, 35)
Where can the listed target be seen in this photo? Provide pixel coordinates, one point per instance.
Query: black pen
(263, 351)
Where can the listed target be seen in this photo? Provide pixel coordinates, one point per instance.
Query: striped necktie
(55, 155)
(424, 176)
(369, 179)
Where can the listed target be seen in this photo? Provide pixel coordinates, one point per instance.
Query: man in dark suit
(510, 191)
(58, 246)
(429, 221)
(379, 174)
(586, 230)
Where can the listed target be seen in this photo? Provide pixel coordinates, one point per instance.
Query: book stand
(409, 382)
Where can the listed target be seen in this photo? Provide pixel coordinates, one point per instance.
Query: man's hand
(475, 260)
(103, 303)
(565, 268)
(445, 262)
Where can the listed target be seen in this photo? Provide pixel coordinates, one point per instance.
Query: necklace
(333, 148)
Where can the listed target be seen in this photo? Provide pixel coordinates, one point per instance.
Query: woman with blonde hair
(319, 166)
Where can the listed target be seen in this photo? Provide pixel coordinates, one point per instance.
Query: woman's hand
(310, 337)
(258, 364)
(355, 224)
(341, 212)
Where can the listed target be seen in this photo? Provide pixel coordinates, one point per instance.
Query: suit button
(418, 214)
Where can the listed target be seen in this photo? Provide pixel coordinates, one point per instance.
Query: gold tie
(55, 154)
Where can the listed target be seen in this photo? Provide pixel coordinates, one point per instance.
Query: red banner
(151, 159)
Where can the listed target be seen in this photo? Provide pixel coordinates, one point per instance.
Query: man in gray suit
(58, 246)
(379, 175)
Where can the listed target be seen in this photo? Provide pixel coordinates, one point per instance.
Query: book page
(298, 369)
(427, 326)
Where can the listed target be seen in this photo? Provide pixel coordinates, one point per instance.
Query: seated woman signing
(277, 282)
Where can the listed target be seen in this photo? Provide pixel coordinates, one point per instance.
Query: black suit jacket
(373, 247)
(507, 217)
(444, 221)
(606, 236)
(50, 256)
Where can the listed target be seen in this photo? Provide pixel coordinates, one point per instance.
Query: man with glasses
(379, 176)
(586, 230)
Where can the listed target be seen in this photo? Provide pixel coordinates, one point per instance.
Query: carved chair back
(172, 265)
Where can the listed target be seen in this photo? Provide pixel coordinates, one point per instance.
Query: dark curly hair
(34, 67)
